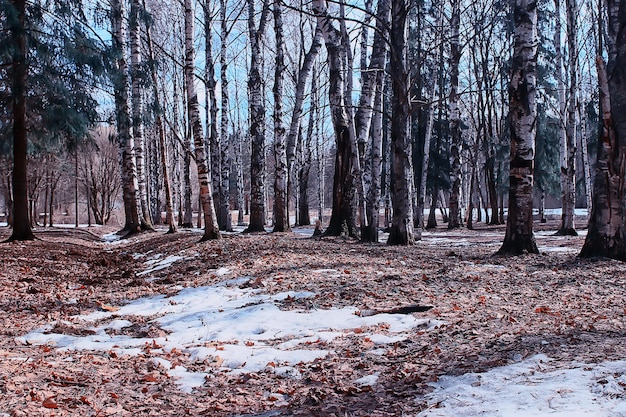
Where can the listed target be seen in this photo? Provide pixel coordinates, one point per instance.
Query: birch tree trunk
(376, 162)
(343, 216)
(211, 228)
(606, 235)
(296, 116)
(124, 137)
(585, 158)
(187, 218)
(455, 117)
(568, 172)
(257, 119)
(401, 232)
(281, 212)
(224, 210)
(371, 84)
(165, 161)
(519, 236)
(137, 113)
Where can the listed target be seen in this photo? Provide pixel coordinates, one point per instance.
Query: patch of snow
(533, 388)
(220, 272)
(368, 380)
(111, 238)
(241, 329)
(157, 264)
(186, 380)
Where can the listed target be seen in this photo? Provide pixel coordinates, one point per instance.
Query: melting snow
(533, 388)
(239, 329)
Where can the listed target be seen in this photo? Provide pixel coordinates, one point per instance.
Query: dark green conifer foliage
(48, 65)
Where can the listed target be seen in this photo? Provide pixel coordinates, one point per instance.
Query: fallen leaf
(50, 403)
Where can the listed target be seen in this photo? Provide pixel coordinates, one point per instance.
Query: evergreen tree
(48, 62)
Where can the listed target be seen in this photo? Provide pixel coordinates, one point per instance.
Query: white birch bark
(164, 159)
(137, 112)
(281, 213)
(519, 236)
(224, 122)
(455, 116)
(257, 119)
(343, 216)
(296, 115)
(124, 136)
(371, 82)
(211, 228)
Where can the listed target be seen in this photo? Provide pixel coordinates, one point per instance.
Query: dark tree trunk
(344, 207)
(607, 225)
(19, 68)
(401, 232)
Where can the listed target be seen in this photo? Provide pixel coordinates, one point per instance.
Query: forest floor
(488, 312)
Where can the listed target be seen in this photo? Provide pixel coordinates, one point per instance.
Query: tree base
(568, 231)
(187, 225)
(254, 229)
(210, 236)
(369, 234)
(21, 237)
(599, 247)
(519, 245)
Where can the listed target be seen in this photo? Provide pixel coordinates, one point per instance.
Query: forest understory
(487, 311)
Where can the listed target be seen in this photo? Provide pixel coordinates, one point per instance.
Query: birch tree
(257, 117)
(137, 81)
(163, 154)
(224, 209)
(519, 236)
(343, 215)
(401, 232)
(211, 228)
(606, 235)
(568, 149)
(281, 212)
(122, 112)
(304, 73)
(371, 85)
(455, 116)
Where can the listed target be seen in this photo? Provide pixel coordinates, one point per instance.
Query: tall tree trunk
(187, 217)
(124, 136)
(214, 139)
(568, 170)
(211, 228)
(401, 232)
(585, 159)
(371, 82)
(19, 68)
(343, 216)
(257, 119)
(606, 235)
(296, 116)
(519, 236)
(375, 160)
(224, 209)
(281, 212)
(137, 112)
(455, 117)
(165, 162)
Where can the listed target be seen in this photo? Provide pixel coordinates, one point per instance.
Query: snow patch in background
(226, 328)
(533, 388)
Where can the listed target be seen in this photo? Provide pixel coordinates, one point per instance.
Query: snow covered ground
(231, 326)
(534, 387)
